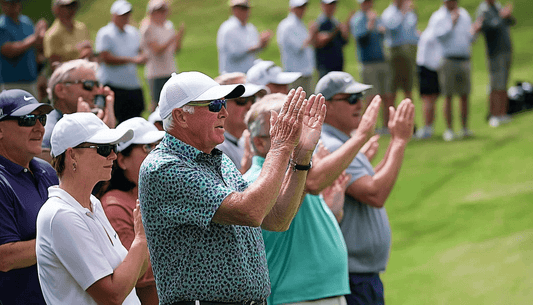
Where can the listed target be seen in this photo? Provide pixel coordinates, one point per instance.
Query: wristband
(299, 167)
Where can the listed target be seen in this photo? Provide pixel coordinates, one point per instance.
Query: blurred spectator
(266, 73)
(368, 29)
(329, 37)
(365, 224)
(119, 46)
(73, 88)
(238, 41)
(160, 42)
(401, 37)
(23, 190)
(452, 29)
(155, 119)
(494, 21)
(236, 140)
(79, 255)
(120, 195)
(66, 39)
(295, 44)
(312, 249)
(18, 40)
(428, 60)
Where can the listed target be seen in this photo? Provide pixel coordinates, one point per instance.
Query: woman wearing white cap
(120, 195)
(80, 258)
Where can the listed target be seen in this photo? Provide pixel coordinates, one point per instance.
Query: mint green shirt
(309, 261)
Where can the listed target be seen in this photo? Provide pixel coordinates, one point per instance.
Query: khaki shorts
(378, 75)
(454, 77)
(403, 67)
(499, 66)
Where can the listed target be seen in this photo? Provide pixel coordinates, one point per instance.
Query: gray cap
(339, 82)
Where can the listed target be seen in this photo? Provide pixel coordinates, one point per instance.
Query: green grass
(460, 212)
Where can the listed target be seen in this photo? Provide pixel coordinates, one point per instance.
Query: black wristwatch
(299, 167)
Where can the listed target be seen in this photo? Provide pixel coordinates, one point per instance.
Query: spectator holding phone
(73, 88)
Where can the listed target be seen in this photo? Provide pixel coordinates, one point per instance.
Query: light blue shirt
(291, 34)
(455, 39)
(119, 43)
(401, 29)
(369, 42)
(233, 42)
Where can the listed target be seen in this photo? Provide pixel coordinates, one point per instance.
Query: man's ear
(259, 145)
(60, 90)
(179, 117)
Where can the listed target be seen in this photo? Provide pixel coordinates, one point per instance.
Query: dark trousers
(129, 103)
(366, 288)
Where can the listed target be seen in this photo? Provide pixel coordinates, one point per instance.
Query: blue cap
(18, 102)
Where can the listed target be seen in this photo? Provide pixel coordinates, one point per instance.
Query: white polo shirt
(75, 248)
(233, 42)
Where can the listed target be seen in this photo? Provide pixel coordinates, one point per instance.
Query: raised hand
(401, 121)
(334, 195)
(286, 127)
(314, 115)
(368, 121)
(371, 147)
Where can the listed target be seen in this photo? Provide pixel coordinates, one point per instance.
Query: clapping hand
(401, 121)
(314, 115)
(286, 127)
(368, 121)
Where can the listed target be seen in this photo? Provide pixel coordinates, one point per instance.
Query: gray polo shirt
(365, 228)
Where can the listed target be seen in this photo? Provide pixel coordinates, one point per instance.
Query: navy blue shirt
(330, 57)
(369, 43)
(21, 196)
(23, 68)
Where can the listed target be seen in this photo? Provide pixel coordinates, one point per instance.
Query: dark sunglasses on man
(352, 99)
(86, 84)
(214, 105)
(103, 150)
(28, 120)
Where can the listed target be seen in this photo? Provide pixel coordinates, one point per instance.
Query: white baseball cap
(80, 127)
(186, 87)
(144, 132)
(297, 3)
(154, 116)
(253, 89)
(328, 1)
(339, 82)
(266, 72)
(120, 7)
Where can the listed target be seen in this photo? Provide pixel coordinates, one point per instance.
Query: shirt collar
(15, 168)
(326, 128)
(185, 150)
(258, 161)
(56, 191)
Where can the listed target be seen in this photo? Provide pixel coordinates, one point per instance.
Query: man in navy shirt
(24, 182)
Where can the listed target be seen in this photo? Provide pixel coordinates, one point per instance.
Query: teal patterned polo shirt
(180, 189)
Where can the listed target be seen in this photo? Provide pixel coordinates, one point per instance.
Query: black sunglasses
(87, 84)
(103, 150)
(243, 101)
(214, 105)
(352, 99)
(28, 120)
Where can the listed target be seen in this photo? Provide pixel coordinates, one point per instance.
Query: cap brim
(285, 78)
(252, 89)
(30, 108)
(356, 88)
(150, 137)
(216, 92)
(111, 136)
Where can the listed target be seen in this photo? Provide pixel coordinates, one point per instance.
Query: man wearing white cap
(23, 190)
(201, 217)
(266, 73)
(118, 44)
(331, 38)
(235, 143)
(238, 41)
(365, 224)
(295, 44)
(66, 39)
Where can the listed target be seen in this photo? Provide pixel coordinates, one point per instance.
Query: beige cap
(154, 5)
(239, 3)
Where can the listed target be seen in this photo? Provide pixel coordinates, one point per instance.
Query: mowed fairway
(461, 212)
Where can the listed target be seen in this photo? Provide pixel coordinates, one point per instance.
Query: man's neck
(68, 23)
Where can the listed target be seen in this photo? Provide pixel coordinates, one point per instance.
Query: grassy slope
(460, 212)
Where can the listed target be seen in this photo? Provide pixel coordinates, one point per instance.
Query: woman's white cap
(80, 127)
(144, 132)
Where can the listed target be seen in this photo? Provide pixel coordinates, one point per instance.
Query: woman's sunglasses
(103, 150)
(243, 101)
(87, 84)
(28, 120)
(214, 105)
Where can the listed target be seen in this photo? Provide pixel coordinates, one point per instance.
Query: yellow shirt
(58, 40)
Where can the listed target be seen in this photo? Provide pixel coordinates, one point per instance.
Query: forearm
(386, 177)
(16, 48)
(330, 167)
(16, 255)
(378, 167)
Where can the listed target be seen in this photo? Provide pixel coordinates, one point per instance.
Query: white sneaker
(448, 135)
(494, 121)
(424, 133)
(465, 133)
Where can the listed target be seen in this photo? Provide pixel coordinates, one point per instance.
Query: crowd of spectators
(234, 210)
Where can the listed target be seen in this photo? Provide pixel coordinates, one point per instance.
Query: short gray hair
(259, 114)
(62, 73)
(167, 122)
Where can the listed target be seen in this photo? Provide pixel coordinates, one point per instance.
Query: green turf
(460, 212)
